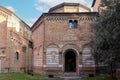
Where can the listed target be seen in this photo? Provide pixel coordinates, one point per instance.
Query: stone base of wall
(53, 71)
(58, 71)
(38, 70)
(87, 70)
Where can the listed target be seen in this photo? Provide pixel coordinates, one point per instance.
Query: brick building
(96, 5)
(62, 40)
(15, 41)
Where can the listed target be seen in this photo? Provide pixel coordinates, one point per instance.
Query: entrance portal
(70, 61)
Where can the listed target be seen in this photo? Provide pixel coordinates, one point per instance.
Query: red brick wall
(58, 30)
(3, 29)
(96, 5)
(53, 32)
(38, 39)
(12, 41)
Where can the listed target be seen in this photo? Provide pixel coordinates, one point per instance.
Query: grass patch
(93, 78)
(101, 77)
(21, 76)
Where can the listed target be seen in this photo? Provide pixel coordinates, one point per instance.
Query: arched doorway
(70, 61)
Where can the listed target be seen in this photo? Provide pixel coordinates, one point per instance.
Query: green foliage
(93, 78)
(21, 76)
(107, 35)
(101, 77)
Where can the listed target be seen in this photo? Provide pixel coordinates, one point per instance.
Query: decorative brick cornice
(66, 18)
(3, 14)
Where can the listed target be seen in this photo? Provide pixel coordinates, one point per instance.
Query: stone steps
(70, 76)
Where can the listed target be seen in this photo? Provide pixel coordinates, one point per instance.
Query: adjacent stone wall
(15, 36)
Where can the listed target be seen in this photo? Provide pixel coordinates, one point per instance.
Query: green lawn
(103, 77)
(94, 78)
(21, 76)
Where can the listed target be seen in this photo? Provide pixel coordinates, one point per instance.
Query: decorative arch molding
(87, 48)
(71, 49)
(51, 45)
(75, 53)
(71, 46)
(86, 45)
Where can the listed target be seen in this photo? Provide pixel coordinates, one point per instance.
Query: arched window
(17, 55)
(73, 24)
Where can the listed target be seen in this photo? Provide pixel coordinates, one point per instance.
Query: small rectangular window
(17, 55)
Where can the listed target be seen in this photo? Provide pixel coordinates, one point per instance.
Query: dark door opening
(70, 61)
